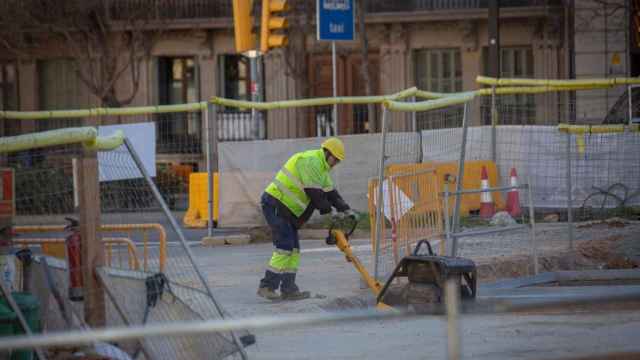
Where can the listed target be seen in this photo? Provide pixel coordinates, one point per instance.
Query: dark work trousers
(285, 240)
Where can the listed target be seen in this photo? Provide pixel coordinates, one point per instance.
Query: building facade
(437, 46)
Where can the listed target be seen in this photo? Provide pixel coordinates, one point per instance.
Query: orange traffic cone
(513, 196)
(487, 207)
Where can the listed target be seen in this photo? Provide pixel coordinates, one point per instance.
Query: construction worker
(301, 186)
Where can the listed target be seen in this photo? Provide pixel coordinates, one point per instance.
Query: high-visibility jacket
(304, 173)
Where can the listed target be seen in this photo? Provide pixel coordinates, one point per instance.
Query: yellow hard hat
(335, 147)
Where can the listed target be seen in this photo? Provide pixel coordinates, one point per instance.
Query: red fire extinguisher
(73, 248)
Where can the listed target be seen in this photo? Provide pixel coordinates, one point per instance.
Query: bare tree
(364, 48)
(104, 39)
(301, 26)
(599, 9)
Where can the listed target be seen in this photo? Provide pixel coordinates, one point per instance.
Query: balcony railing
(208, 9)
(170, 9)
(240, 126)
(194, 9)
(430, 5)
(181, 133)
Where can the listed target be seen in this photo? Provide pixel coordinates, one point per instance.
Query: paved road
(234, 271)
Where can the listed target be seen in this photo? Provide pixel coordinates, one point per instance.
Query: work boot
(289, 289)
(268, 293)
(271, 280)
(296, 295)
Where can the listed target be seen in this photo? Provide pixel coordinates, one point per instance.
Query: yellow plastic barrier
(597, 129)
(198, 213)
(472, 174)
(55, 248)
(144, 228)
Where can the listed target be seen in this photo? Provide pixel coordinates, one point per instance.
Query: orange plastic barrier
(55, 247)
(128, 228)
(472, 172)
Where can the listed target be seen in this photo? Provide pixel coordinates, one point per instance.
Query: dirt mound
(607, 253)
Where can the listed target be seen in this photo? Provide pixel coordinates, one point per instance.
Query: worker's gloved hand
(337, 216)
(352, 214)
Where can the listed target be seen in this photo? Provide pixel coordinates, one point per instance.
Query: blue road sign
(335, 19)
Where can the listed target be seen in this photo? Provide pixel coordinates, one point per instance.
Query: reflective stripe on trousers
(284, 261)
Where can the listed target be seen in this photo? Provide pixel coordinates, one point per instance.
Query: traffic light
(243, 26)
(272, 23)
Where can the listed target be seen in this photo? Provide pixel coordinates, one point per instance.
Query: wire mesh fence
(149, 275)
(586, 176)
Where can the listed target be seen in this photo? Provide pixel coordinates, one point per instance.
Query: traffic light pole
(335, 87)
(255, 90)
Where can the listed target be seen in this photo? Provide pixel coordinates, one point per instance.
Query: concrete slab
(230, 239)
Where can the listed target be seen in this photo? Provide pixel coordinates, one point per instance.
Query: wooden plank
(92, 248)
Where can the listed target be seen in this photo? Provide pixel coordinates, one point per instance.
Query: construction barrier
(127, 228)
(55, 247)
(412, 208)
(198, 213)
(472, 173)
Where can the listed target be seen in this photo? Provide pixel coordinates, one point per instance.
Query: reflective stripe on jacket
(304, 170)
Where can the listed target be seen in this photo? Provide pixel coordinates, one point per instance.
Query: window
(9, 97)
(439, 70)
(516, 62)
(178, 84)
(235, 77)
(234, 82)
(60, 89)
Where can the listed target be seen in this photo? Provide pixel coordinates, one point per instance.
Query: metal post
(414, 120)
(447, 228)
(456, 212)
(74, 169)
(414, 126)
(452, 290)
(380, 200)
(335, 87)
(255, 90)
(494, 124)
(261, 131)
(569, 193)
(176, 227)
(532, 221)
(494, 38)
(630, 105)
(211, 127)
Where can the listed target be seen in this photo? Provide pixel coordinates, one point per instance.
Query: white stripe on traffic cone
(487, 207)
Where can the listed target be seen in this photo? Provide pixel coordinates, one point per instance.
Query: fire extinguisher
(73, 247)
